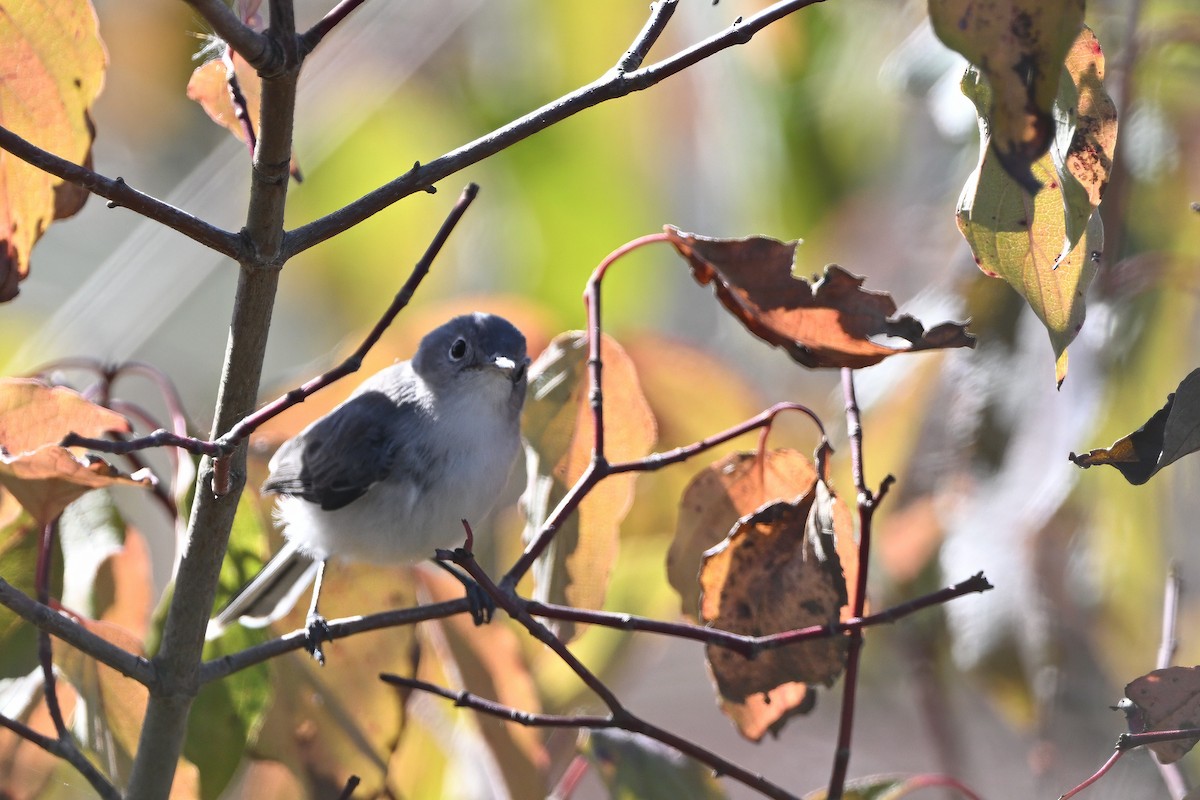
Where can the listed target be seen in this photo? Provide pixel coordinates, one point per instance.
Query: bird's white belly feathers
(422, 514)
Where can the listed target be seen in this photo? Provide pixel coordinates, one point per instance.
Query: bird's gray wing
(270, 594)
(339, 457)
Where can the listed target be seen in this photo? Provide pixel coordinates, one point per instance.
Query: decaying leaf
(53, 67)
(832, 322)
(1047, 243)
(44, 477)
(1165, 700)
(717, 497)
(1172, 433)
(779, 569)
(634, 767)
(1020, 46)
(559, 433)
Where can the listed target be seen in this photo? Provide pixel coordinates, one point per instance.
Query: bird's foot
(316, 632)
(482, 606)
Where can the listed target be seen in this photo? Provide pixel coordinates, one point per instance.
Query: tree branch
(74, 634)
(660, 14)
(120, 193)
(313, 36)
(67, 751)
(609, 87)
(249, 44)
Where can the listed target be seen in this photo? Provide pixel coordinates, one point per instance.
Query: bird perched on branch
(391, 474)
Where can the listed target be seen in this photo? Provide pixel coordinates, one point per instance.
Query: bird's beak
(515, 370)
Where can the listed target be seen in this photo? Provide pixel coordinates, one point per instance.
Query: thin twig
(45, 618)
(313, 36)
(66, 751)
(249, 44)
(660, 15)
(613, 85)
(226, 443)
(45, 556)
(620, 716)
(1099, 774)
(867, 503)
(1130, 741)
(1172, 776)
(750, 646)
(348, 790)
(465, 699)
(121, 194)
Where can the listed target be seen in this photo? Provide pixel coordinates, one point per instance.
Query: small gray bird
(389, 475)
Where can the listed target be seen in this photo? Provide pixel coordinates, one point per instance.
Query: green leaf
(18, 565)
(1023, 239)
(636, 768)
(1019, 45)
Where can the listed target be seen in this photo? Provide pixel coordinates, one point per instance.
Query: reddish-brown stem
(45, 654)
(619, 716)
(313, 36)
(241, 110)
(570, 779)
(1099, 774)
(867, 503)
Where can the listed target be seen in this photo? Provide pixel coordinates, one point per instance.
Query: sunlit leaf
(1020, 237)
(491, 664)
(1020, 46)
(636, 768)
(115, 704)
(42, 476)
(19, 542)
(1165, 700)
(558, 427)
(211, 85)
(53, 64)
(832, 322)
(1091, 120)
(780, 569)
(1172, 433)
(717, 497)
(328, 723)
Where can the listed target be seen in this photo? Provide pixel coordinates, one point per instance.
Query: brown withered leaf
(559, 431)
(1170, 434)
(1165, 700)
(769, 576)
(717, 497)
(43, 477)
(830, 323)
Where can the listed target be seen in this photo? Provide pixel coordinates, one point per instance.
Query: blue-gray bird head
(475, 352)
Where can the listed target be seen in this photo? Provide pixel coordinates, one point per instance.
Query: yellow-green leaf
(53, 64)
(1020, 46)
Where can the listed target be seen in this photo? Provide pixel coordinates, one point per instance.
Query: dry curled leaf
(1172, 433)
(778, 570)
(832, 322)
(1164, 700)
(44, 477)
(717, 497)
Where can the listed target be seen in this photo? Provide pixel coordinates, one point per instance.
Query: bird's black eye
(458, 349)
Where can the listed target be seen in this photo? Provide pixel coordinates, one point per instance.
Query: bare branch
(660, 14)
(750, 646)
(613, 85)
(249, 44)
(1171, 774)
(66, 751)
(467, 699)
(74, 634)
(313, 36)
(120, 193)
(1097, 776)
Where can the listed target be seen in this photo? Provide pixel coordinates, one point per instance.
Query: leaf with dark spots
(1170, 434)
(832, 322)
(1165, 700)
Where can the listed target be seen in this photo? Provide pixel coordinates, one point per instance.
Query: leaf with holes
(1172, 433)
(832, 322)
